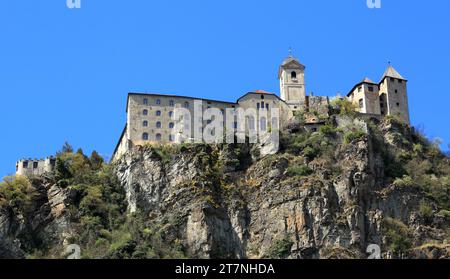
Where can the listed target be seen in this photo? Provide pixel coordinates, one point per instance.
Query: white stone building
(30, 167)
(151, 119)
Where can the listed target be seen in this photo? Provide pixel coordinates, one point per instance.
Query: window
(145, 123)
(170, 114)
(262, 97)
(400, 81)
(158, 113)
(35, 165)
(398, 104)
(263, 124)
(251, 123)
(171, 125)
(294, 75)
(392, 79)
(144, 136)
(258, 105)
(186, 104)
(359, 89)
(158, 137)
(25, 165)
(158, 101)
(396, 91)
(145, 101)
(262, 105)
(235, 125)
(171, 103)
(267, 106)
(158, 125)
(370, 88)
(361, 103)
(208, 121)
(145, 112)
(171, 138)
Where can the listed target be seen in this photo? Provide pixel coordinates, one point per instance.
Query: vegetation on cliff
(197, 200)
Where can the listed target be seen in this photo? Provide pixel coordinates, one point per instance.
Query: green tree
(17, 192)
(96, 160)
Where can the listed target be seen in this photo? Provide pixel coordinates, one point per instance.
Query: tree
(96, 160)
(67, 148)
(17, 192)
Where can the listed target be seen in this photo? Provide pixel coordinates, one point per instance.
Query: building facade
(151, 118)
(30, 167)
(388, 97)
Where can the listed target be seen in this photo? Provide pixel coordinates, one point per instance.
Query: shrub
(328, 130)
(344, 107)
(280, 249)
(398, 235)
(18, 193)
(426, 211)
(310, 152)
(445, 213)
(406, 181)
(302, 170)
(354, 135)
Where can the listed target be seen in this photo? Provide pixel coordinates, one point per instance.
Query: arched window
(144, 136)
(251, 123)
(158, 101)
(158, 113)
(145, 101)
(145, 123)
(158, 137)
(262, 97)
(263, 124)
(171, 103)
(170, 114)
(294, 75)
(145, 112)
(186, 104)
(158, 125)
(171, 125)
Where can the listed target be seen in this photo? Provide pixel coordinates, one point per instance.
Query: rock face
(257, 211)
(45, 224)
(237, 201)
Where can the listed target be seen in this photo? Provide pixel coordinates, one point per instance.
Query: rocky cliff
(325, 194)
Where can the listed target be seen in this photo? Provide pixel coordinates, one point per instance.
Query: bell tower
(292, 83)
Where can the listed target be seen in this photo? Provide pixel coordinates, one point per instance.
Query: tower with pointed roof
(292, 83)
(388, 97)
(393, 95)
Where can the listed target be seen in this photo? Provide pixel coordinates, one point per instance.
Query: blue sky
(65, 73)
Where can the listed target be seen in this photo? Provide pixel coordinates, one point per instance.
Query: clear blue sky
(65, 74)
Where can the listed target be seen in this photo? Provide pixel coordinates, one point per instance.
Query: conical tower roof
(391, 72)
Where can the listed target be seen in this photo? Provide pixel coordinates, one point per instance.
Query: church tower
(393, 95)
(292, 83)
